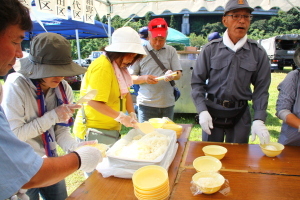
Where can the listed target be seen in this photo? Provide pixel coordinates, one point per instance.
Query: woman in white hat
(38, 103)
(109, 75)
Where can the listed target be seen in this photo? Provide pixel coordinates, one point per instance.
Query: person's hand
(65, 111)
(205, 121)
(20, 195)
(125, 120)
(87, 143)
(259, 128)
(169, 77)
(150, 79)
(89, 158)
(133, 116)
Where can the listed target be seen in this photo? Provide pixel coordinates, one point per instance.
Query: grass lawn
(273, 125)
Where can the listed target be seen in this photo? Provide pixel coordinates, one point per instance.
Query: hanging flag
(77, 9)
(89, 12)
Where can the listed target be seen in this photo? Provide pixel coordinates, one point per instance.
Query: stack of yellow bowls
(151, 182)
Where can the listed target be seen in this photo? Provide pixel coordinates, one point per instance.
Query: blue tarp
(177, 37)
(65, 27)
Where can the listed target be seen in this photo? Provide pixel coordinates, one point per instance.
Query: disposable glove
(205, 121)
(133, 116)
(169, 77)
(87, 143)
(89, 158)
(65, 111)
(125, 120)
(259, 128)
(20, 195)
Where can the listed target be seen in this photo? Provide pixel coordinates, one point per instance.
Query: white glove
(259, 128)
(87, 143)
(89, 158)
(205, 122)
(169, 77)
(65, 111)
(125, 120)
(20, 195)
(133, 116)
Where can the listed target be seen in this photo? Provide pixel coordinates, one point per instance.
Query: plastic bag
(225, 188)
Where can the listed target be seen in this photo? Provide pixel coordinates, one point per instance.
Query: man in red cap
(156, 98)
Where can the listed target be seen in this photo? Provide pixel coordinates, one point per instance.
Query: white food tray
(120, 162)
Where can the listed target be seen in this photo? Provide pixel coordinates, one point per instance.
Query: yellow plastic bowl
(174, 127)
(207, 164)
(208, 182)
(157, 122)
(216, 151)
(272, 149)
(149, 177)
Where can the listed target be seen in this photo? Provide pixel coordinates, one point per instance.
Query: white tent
(125, 8)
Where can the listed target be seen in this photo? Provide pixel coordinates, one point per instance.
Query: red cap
(158, 27)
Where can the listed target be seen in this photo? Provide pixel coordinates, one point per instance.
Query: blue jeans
(147, 112)
(57, 191)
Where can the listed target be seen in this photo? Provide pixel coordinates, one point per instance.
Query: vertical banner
(62, 8)
(89, 12)
(77, 9)
(47, 6)
(26, 3)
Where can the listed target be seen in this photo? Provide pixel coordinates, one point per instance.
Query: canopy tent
(125, 8)
(68, 28)
(177, 37)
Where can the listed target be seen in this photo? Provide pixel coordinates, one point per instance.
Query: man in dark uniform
(221, 80)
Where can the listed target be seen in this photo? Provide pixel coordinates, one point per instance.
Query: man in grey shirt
(221, 80)
(156, 98)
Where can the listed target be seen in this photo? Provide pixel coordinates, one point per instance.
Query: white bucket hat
(50, 56)
(126, 40)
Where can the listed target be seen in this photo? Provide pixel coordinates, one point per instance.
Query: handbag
(176, 91)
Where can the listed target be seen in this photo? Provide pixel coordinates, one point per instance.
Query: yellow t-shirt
(101, 76)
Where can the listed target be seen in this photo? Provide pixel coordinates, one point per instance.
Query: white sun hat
(126, 40)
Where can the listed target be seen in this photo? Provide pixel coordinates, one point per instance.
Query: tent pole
(78, 49)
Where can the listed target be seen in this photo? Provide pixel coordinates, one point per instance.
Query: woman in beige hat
(38, 103)
(109, 75)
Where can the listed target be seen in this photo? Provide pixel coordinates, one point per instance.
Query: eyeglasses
(239, 17)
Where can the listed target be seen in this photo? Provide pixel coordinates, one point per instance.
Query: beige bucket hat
(126, 40)
(50, 56)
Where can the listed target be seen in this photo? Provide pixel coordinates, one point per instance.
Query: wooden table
(250, 174)
(112, 188)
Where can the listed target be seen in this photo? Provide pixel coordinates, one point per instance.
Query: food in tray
(147, 147)
(102, 148)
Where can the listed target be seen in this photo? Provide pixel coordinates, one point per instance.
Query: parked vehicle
(93, 56)
(281, 49)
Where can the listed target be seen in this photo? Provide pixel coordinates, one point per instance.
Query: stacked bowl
(151, 182)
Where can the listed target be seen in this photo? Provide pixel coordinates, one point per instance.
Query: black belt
(227, 103)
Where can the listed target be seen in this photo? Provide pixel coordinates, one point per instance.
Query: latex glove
(125, 120)
(87, 143)
(259, 128)
(65, 111)
(20, 195)
(89, 158)
(133, 116)
(169, 77)
(205, 121)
